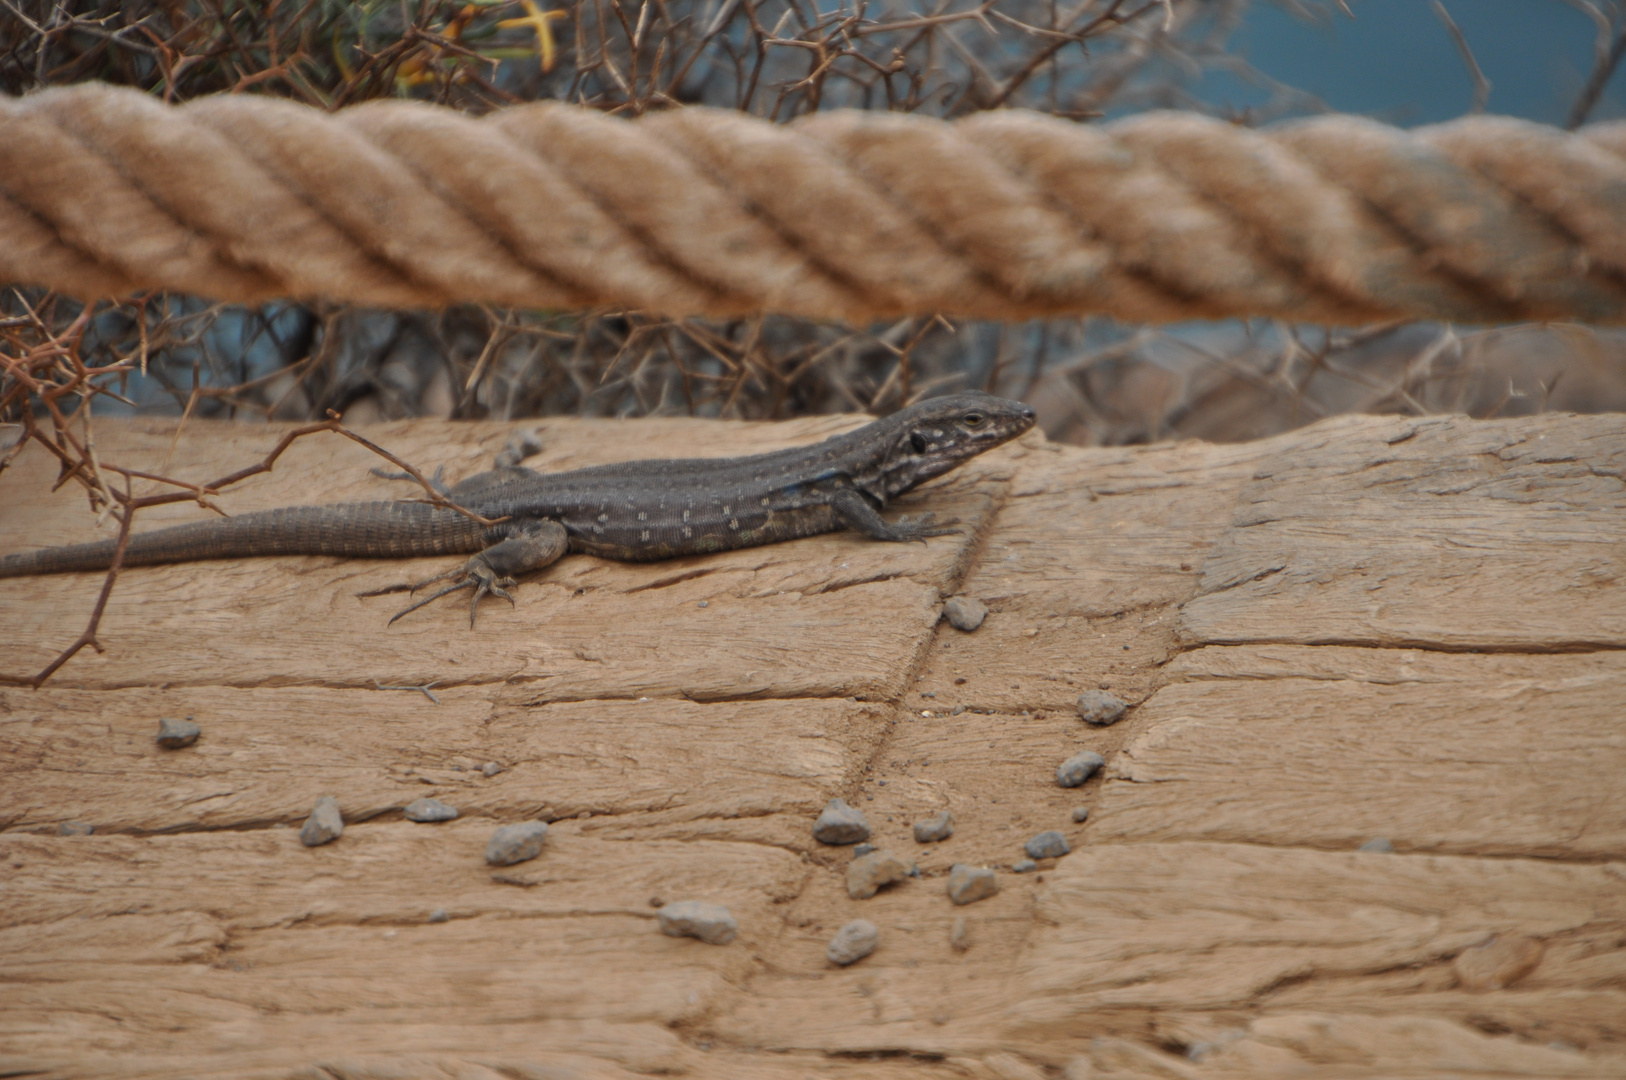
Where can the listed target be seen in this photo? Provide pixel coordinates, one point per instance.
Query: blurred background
(1094, 380)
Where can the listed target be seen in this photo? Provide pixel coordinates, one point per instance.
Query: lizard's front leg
(535, 545)
(855, 512)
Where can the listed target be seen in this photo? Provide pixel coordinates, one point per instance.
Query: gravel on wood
(852, 942)
(1100, 708)
(324, 825)
(516, 843)
(174, 734)
(840, 824)
(933, 829)
(1024, 866)
(1079, 768)
(75, 828)
(439, 916)
(867, 874)
(711, 923)
(429, 810)
(959, 937)
(1049, 844)
(965, 612)
(968, 884)
(1081, 813)
(1378, 844)
(490, 769)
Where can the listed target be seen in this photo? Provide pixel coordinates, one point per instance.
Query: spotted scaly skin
(633, 511)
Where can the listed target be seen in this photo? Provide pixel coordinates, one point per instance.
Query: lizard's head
(933, 436)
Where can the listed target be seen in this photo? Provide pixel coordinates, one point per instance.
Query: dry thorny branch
(44, 369)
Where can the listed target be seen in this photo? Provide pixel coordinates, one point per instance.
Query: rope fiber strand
(854, 216)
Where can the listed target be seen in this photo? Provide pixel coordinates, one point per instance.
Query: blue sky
(1396, 62)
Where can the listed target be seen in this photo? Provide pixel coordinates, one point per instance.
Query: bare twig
(1482, 86)
(1602, 71)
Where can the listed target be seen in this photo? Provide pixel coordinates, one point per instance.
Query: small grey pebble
(965, 612)
(324, 825)
(1100, 708)
(704, 603)
(439, 915)
(959, 939)
(1081, 813)
(863, 849)
(938, 827)
(490, 769)
(870, 873)
(841, 824)
(1379, 844)
(711, 923)
(852, 942)
(75, 828)
(967, 884)
(1049, 844)
(1079, 768)
(516, 843)
(1024, 866)
(429, 810)
(174, 734)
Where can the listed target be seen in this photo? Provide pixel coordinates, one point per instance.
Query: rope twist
(855, 216)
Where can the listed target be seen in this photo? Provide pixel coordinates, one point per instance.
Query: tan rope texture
(845, 215)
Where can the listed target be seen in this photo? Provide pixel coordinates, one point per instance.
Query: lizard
(633, 511)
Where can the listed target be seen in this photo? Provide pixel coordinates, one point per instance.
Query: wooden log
(1292, 623)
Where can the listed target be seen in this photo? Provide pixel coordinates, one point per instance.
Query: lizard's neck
(886, 464)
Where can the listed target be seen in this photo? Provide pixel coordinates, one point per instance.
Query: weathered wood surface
(1373, 627)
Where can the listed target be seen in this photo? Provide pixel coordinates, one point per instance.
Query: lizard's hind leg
(496, 569)
(438, 481)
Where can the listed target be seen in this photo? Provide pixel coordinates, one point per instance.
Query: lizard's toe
(487, 583)
(412, 587)
(925, 526)
(455, 586)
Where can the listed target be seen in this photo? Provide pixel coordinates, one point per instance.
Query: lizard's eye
(918, 441)
(971, 419)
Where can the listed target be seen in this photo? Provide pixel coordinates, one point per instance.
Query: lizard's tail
(380, 530)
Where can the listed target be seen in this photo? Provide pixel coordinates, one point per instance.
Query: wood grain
(1432, 532)
(1329, 747)
(1292, 623)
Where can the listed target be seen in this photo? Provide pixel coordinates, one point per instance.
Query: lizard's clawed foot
(437, 481)
(474, 574)
(495, 570)
(926, 525)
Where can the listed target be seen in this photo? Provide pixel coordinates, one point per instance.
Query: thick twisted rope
(845, 215)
